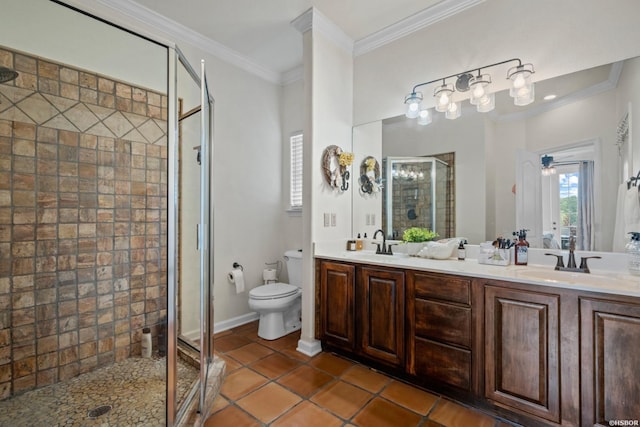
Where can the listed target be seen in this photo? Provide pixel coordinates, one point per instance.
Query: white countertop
(613, 281)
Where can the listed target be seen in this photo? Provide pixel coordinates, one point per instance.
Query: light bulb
(519, 81)
(478, 91)
(444, 99)
(453, 107)
(424, 118)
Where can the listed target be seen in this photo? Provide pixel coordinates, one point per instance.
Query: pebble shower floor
(135, 388)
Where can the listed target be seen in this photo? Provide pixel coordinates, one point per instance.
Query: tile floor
(269, 383)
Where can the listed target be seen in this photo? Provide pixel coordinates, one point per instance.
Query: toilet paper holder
(238, 265)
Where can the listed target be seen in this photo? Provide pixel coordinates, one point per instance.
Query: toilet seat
(273, 291)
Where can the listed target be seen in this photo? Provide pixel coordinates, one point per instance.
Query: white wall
(328, 89)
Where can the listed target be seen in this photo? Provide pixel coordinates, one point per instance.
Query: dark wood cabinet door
(381, 304)
(610, 365)
(337, 304)
(522, 369)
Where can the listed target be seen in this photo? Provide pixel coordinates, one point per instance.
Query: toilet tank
(294, 267)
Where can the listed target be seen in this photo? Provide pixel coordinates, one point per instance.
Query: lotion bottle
(358, 243)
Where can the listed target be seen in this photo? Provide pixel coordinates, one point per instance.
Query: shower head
(7, 74)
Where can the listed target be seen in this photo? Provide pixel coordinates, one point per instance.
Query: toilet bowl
(279, 304)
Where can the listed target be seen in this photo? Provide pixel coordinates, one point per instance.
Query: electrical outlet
(327, 219)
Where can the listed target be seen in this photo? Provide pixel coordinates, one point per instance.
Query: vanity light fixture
(547, 166)
(522, 91)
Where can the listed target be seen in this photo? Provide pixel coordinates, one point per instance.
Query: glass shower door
(190, 256)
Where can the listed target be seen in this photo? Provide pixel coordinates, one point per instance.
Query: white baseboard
(235, 322)
(309, 348)
(192, 335)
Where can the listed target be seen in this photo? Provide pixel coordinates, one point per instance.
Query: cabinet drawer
(442, 287)
(443, 363)
(443, 322)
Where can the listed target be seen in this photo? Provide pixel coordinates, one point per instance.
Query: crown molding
(292, 75)
(131, 15)
(304, 22)
(418, 21)
(312, 18)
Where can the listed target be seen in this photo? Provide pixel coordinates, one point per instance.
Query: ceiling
(260, 30)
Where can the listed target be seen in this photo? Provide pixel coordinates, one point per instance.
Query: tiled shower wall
(83, 221)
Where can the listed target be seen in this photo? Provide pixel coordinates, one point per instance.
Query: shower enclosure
(417, 194)
(96, 135)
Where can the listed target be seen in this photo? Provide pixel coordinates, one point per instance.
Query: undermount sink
(372, 256)
(568, 277)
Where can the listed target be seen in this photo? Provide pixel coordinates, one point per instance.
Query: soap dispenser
(462, 252)
(521, 249)
(633, 253)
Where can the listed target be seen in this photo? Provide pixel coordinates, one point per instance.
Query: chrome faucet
(384, 250)
(571, 262)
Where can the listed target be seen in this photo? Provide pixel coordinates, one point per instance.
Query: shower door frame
(205, 237)
(388, 168)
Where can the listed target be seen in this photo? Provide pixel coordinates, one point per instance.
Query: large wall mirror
(499, 184)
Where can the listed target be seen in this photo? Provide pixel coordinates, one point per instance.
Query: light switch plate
(333, 219)
(326, 219)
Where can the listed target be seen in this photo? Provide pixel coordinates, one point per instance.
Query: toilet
(279, 304)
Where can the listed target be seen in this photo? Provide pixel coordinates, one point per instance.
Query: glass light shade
(454, 111)
(443, 97)
(520, 77)
(548, 171)
(486, 103)
(412, 102)
(477, 86)
(525, 95)
(424, 118)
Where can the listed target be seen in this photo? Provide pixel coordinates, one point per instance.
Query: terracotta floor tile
(231, 417)
(410, 397)
(365, 378)
(250, 353)
(274, 365)
(230, 342)
(331, 363)
(342, 399)
(451, 414)
(247, 329)
(382, 413)
(231, 364)
(431, 423)
(307, 415)
(287, 342)
(241, 382)
(295, 354)
(222, 334)
(219, 403)
(269, 402)
(305, 380)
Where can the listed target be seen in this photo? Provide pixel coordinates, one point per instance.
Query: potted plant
(415, 238)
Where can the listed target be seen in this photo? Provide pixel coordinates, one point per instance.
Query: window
(295, 183)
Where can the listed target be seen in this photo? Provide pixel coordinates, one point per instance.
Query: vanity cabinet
(610, 366)
(337, 304)
(522, 360)
(439, 335)
(380, 299)
(362, 311)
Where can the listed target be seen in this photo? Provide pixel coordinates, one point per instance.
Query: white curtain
(584, 235)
